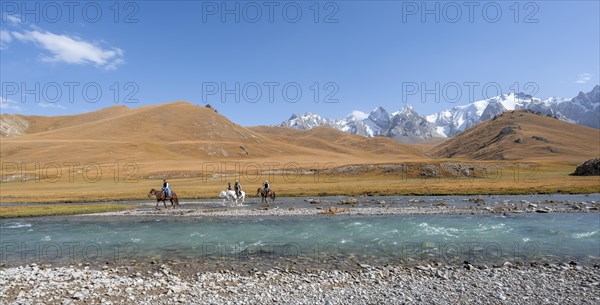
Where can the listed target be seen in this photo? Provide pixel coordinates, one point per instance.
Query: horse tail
(258, 191)
(273, 196)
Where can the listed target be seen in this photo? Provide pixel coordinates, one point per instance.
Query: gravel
(353, 206)
(423, 284)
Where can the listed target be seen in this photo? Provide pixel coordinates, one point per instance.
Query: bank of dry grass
(511, 178)
(58, 209)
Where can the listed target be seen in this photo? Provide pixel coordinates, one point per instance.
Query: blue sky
(355, 55)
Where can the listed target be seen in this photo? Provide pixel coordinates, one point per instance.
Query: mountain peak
(357, 115)
(406, 109)
(584, 109)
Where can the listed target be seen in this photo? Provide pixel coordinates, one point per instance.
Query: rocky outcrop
(588, 168)
(12, 125)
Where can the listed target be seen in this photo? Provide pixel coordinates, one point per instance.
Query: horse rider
(238, 188)
(266, 184)
(166, 188)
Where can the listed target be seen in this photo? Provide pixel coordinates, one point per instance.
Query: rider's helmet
(266, 181)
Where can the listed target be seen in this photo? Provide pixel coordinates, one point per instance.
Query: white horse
(230, 195)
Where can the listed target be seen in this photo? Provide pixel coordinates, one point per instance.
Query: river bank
(386, 284)
(394, 205)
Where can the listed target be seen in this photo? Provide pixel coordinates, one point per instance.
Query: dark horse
(160, 196)
(265, 195)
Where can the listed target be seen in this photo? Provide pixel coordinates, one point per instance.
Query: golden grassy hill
(329, 139)
(521, 135)
(176, 140)
(183, 132)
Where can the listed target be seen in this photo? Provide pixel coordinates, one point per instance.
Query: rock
(335, 210)
(477, 200)
(78, 296)
(588, 168)
(551, 149)
(539, 138)
(313, 201)
(176, 289)
(348, 201)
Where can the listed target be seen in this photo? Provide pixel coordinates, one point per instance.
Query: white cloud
(583, 78)
(72, 49)
(51, 105)
(12, 19)
(8, 104)
(5, 39)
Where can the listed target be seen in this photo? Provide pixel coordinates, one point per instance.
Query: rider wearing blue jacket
(166, 188)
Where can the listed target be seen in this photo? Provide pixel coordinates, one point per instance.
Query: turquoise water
(452, 238)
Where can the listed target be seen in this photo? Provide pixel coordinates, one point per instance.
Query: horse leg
(164, 203)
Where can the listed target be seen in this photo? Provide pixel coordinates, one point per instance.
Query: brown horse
(161, 196)
(266, 195)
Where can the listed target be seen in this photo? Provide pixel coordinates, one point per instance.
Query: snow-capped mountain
(407, 125)
(453, 121)
(584, 109)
